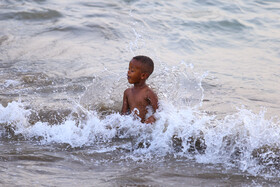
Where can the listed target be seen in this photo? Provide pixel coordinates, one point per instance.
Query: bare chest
(137, 100)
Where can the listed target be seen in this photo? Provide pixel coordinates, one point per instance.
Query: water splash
(245, 140)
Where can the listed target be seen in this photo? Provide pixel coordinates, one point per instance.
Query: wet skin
(140, 95)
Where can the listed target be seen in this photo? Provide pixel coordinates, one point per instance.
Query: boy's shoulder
(150, 90)
(126, 91)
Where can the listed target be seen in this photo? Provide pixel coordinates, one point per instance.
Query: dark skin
(140, 95)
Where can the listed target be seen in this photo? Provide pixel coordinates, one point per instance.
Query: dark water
(63, 72)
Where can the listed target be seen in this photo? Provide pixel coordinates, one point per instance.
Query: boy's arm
(125, 104)
(153, 99)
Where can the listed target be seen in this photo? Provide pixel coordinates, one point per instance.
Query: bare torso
(139, 98)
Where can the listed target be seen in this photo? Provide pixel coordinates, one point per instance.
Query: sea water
(63, 68)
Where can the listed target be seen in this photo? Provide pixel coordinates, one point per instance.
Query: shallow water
(63, 72)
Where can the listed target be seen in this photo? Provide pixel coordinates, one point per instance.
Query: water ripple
(32, 15)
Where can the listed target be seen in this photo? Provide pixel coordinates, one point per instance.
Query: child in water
(137, 98)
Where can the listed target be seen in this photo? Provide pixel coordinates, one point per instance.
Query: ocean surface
(63, 67)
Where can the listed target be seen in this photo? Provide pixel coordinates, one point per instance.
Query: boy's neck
(139, 85)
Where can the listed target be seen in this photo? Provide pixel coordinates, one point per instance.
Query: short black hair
(147, 62)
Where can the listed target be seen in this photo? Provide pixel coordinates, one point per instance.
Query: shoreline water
(62, 76)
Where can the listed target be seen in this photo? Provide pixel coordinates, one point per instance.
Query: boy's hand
(151, 119)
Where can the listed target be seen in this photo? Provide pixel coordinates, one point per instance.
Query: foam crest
(15, 114)
(245, 140)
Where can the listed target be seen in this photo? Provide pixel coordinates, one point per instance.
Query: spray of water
(245, 139)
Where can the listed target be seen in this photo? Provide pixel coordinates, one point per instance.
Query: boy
(137, 98)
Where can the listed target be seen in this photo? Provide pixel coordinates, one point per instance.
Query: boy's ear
(144, 75)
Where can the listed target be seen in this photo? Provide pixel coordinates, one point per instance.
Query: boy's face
(134, 74)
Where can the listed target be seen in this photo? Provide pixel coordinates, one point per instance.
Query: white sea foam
(244, 139)
(9, 83)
